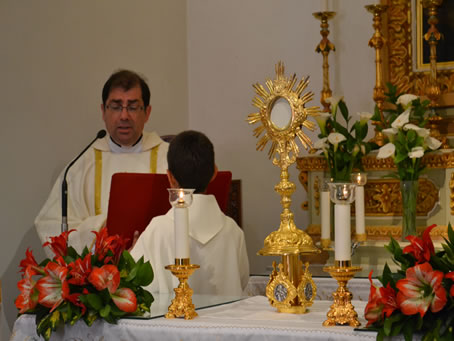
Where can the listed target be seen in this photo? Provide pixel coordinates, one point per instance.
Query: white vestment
(89, 187)
(216, 244)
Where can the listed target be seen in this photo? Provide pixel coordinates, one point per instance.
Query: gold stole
(98, 173)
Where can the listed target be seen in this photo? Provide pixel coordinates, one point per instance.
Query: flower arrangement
(342, 146)
(404, 128)
(106, 284)
(419, 297)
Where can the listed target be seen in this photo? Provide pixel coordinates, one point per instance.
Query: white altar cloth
(251, 319)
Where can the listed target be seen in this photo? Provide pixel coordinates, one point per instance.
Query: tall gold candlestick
(324, 47)
(377, 42)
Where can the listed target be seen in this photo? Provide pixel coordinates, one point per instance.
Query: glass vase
(409, 190)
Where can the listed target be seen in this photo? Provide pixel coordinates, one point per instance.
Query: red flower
(59, 244)
(118, 246)
(53, 288)
(74, 299)
(450, 275)
(28, 298)
(29, 262)
(421, 288)
(103, 243)
(382, 301)
(125, 300)
(106, 276)
(79, 270)
(421, 249)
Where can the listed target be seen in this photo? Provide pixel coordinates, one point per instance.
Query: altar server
(217, 243)
(127, 148)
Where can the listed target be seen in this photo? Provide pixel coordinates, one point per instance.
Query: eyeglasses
(130, 109)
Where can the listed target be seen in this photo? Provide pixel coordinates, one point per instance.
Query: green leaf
(94, 301)
(104, 312)
(144, 275)
(344, 110)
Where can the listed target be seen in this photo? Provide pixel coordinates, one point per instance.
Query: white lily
(363, 149)
(321, 121)
(386, 151)
(334, 101)
(423, 132)
(432, 143)
(401, 119)
(406, 99)
(416, 152)
(335, 139)
(390, 133)
(364, 117)
(355, 150)
(321, 144)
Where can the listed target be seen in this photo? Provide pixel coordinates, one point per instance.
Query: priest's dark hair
(191, 160)
(126, 80)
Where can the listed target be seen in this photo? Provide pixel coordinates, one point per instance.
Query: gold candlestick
(342, 310)
(324, 47)
(377, 42)
(182, 303)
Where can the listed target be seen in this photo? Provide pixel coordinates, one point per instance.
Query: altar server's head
(191, 161)
(125, 106)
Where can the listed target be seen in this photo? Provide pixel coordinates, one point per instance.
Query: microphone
(64, 185)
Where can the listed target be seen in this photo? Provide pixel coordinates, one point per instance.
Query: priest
(126, 148)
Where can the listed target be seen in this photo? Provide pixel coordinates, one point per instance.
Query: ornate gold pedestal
(182, 303)
(342, 310)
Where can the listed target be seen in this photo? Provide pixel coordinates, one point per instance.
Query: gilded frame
(400, 65)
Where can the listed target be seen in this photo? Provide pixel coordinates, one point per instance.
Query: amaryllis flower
(79, 270)
(422, 288)
(53, 288)
(28, 298)
(125, 300)
(406, 100)
(432, 143)
(450, 275)
(401, 119)
(416, 152)
(74, 299)
(386, 151)
(321, 121)
(103, 243)
(30, 262)
(59, 244)
(390, 133)
(104, 277)
(421, 248)
(335, 139)
(117, 247)
(382, 301)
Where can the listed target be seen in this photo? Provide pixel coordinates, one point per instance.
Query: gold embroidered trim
(154, 159)
(98, 180)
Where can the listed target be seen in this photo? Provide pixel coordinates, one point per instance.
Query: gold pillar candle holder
(377, 42)
(182, 303)
(325, 47)
(342, 310)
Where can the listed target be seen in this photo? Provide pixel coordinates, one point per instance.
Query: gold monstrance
(282, 114)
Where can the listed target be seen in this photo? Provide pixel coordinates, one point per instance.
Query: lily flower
(421, 248)
(53, 288)
(28, 298)
(30, 263)
(334, 101)
(390, 133)
(321, 121)
(432, 143)
(420, 290)
(406, 100)
(364, 117)
(335, 139)
(59, 244)
(104, 277)
(74, 299)
(80, 269)
(423, 132)
(125, 300)
(321, 144)
(416, 152)
(386, 151)
(401, 120)
(103, 243)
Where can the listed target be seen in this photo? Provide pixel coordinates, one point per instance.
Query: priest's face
(125, 115)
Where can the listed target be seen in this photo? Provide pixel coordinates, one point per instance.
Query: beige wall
(54, 59)
(55, 56)
(233, 44)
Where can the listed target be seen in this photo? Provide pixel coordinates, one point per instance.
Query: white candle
(181, 220)
(342, 230)
(325, 215)
(324, 5)
(359, 210)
